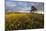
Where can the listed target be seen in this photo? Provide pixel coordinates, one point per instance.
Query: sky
(14, 5)
(22, 5)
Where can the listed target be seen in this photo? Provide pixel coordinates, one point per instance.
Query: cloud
(10, 4)
(23, 5)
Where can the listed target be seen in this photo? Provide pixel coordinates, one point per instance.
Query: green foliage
(23, 21)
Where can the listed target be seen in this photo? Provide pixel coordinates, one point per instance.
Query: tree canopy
(33, 8)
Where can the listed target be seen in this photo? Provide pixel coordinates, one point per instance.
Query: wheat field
(23, 21)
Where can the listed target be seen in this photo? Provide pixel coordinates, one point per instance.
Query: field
(15, 21)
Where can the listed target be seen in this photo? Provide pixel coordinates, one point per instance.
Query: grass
(23, 21)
